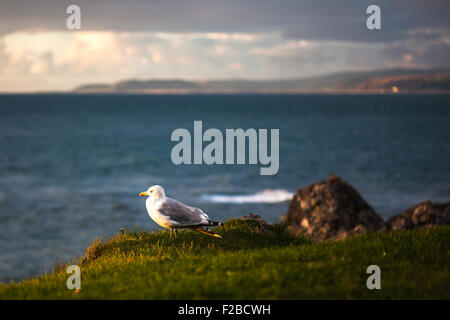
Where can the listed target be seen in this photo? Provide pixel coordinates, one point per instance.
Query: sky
(209, 39)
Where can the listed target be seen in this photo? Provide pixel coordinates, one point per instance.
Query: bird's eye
(151, 191)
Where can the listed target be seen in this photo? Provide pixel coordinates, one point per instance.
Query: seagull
(172, 214)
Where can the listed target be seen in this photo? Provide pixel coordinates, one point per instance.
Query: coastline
(251, 263)
(258, 260)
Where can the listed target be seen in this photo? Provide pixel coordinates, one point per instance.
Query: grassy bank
(251, 263)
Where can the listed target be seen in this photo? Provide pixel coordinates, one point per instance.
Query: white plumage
(172, 214)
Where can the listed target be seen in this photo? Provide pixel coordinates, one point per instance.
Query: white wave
(264, 196)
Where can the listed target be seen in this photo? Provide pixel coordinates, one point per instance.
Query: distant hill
(382, 81)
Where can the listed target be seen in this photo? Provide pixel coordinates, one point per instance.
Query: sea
(72, 166)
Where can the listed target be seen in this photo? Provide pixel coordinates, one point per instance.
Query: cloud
(234, 66)
(423, 48)
(342, 20)
(107, 56)
(21, 62)
(200, 39)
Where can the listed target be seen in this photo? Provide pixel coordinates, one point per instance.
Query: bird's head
(155, 192)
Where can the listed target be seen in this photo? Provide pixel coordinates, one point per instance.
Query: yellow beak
(143, 194)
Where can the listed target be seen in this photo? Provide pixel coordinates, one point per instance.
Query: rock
(360, 229)
(257, 217)
(263, 225)
(424, 214)
(331, 209)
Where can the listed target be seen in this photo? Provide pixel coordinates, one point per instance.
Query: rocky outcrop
(424, 214)
(331, 209)
(263, 225)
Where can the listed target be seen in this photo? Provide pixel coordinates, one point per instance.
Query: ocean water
(72, 166)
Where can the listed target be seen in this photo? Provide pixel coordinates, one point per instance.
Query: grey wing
(183, 214)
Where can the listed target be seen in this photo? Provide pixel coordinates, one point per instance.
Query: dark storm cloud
(305, 19)
(422, 48)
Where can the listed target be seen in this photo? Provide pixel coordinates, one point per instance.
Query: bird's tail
(200, 230)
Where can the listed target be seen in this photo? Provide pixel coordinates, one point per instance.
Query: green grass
(250, 264)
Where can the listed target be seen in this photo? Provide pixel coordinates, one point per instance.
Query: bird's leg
(170, 233)
(175, 231)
